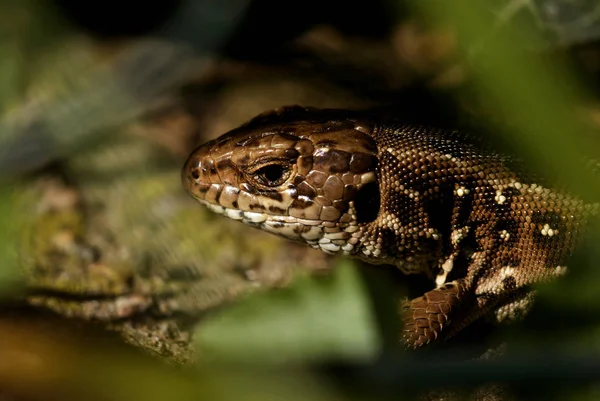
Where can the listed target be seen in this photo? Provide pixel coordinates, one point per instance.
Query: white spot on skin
(499, 198)
(446, 268)
(462, 191)
(459, 235)
(432, 233)
(505, 235)
(506, 271)
(546, 230)
(560, 270)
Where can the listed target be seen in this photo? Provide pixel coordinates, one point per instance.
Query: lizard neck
(413, 218)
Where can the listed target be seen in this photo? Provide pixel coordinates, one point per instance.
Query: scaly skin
(427, 201)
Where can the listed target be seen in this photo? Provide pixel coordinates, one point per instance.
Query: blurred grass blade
(87, 98)
(541, 100)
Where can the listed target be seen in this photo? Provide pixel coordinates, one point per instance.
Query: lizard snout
(197, 169)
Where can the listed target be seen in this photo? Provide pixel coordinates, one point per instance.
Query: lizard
(428, 200)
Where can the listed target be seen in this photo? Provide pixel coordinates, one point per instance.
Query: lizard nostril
(191, 171)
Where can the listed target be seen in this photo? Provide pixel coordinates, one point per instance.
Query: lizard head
(305, 174)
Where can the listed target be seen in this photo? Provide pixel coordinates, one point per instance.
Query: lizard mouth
(284, 226)
(288, 227)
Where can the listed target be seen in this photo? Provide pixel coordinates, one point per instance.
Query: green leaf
(316, 318)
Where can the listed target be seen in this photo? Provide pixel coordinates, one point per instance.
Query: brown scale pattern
(428, 201)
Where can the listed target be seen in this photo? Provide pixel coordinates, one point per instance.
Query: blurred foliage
(44, 361)
(558, 22)
(97, 120)
(513, 82)
(330, 318)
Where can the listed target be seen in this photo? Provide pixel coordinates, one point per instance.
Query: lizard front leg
(428, 317)
(443, 312)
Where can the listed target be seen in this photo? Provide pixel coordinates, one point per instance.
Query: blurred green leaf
(327, 317)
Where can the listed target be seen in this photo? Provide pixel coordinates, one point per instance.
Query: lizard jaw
(310, 232)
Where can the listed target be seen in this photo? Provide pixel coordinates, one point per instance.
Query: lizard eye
(272, 175)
